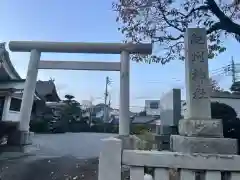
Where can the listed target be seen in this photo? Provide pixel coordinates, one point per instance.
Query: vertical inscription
(198, 56)
(199, 93)
(198, 74)
(197, 39)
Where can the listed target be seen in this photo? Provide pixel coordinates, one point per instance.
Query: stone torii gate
(37, 47)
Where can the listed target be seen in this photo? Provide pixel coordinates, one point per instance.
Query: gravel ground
(60, 157)
(62, 168)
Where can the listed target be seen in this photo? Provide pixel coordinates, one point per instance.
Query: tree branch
(216, 10)
(203, 7)
(166, 19)
(175, 38)
(170, 24)
(224, 21)
(214, 27)
(171, 38)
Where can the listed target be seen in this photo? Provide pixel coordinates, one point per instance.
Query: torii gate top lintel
(80, 47)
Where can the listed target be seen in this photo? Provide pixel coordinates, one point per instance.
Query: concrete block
(110, 160)
(20, 138)
(202, 128)
(203, 145)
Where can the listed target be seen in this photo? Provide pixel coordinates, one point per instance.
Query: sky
(91, 21)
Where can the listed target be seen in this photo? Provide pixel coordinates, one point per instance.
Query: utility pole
(105, 115)
(109, 101)
(90, 111)
(233, 71)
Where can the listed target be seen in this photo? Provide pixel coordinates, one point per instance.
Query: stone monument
(170, 105)
(198, 133)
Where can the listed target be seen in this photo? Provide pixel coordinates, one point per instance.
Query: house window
(153, 105)
(15, 104)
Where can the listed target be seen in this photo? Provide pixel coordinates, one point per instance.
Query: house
(97, 111)
(152, 107)
(11, 91)
(145, 120)
(56, 107)
(11, 88)
(46, 90)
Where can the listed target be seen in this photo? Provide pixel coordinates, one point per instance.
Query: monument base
(203, 128)
(162, 141)
(187, 144)
(162, 137)
(20, 138)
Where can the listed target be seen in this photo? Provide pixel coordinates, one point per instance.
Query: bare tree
(163, 22)
(215, 86)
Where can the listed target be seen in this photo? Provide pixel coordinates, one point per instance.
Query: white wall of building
(9, 115)
(12, 116)
(86, 104)
(229, 99)
(152, 107)
(114, 112)
(100, 114)
(234, 103)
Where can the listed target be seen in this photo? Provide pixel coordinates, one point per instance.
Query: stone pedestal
(187, 144)
(201, 128)
(202, 136)
(20, 138)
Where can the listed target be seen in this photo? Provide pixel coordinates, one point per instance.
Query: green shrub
(104, 128)
(139, 128)
(39, 126)
(79, 127)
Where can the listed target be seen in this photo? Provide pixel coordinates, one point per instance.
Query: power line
(214, 72)
(131, 106)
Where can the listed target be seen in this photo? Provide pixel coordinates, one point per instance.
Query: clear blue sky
(90, 21)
